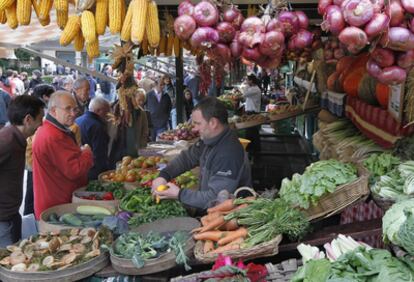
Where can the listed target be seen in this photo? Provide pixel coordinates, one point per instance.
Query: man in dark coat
(159, 105)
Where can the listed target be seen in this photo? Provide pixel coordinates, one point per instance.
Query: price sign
(396, 102)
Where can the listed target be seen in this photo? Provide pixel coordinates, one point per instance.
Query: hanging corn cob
(115, 12)
(44, 9)
(72, 28)
(88, 26)
(153, 25)
(24, 11)
(126, 27)
(3, 18)
(12, 16)
(79, 42)
(123, 12)
(92, 49)
(139, 18)
(5, 4)
(101, 16)
(62, 10)
(163, 45)
(144, 45)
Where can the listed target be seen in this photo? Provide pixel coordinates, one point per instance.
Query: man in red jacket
(59, 165)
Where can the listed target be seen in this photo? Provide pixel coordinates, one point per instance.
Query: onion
(252, 32)
(383, 57)
(251, 54)
(204, 37)
(334, 44)
(396, 12)
(235, 47)
(184, 26)
(338, 2)
(408, 5)
(303, 39)
(186, 8)
(230, 14)
(354, 38)
(226, 32)
(338, 53)
(274, 25)
(378, 5)
(328, 54)
(322, 5)
(289, 22)
(398, 38)
(412, 25)
(124, 215)
(273, 43)
(392, 75)
(357, 12)
(253, 25)
(303, 19)
(206, 14)
(406, 59)
(334, 20)
(238, 21)
(221, 52)
(373, 68)
(378, 24)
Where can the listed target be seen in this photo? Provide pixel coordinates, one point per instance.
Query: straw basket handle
(342, 206)
(245, 188)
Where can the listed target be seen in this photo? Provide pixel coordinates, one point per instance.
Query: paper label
(396, 101)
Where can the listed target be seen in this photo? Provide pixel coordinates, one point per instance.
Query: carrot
(236, 208)
(226, 248)
(209, 235)
(215, 223)
(209, 217)
(224, 206)
(230, 225)
(233, 235)
(208, 246)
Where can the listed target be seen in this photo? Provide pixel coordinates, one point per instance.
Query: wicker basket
(343, 197)
(381, 202)
(266, 249)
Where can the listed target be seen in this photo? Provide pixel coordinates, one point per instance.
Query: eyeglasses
(69, 109)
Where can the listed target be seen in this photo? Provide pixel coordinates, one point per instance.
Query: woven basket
(381, 202)
(266, 249)
(344, 196)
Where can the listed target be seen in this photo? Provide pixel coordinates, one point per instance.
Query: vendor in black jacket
(222, 160)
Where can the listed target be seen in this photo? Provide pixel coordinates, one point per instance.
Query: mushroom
(86, 240)
(48, 261)
(5, 261)
(28, 252)
(65, 266)
(13, 248)
(42, 245)
(19, 267)
(17, 257)
(74, 231)
(54, 244)
(89, 231)
(65, 247)
(74, 238)
(33, 267)
(23, 243)
(69, 258)
(78, 248)
(93, 253)
(95, 244)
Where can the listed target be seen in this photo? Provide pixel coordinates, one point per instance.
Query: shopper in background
(25, 114)
(42, 92)
(253, 95)
(159, 105)
(81, 94)
(24, 78)
(19, 84)
(147, 82)
(4, 104)
(219, 154)
(36, 79)
(107, 88)
(188, 103)
(170, 90)
(59, 165)
(93, 128)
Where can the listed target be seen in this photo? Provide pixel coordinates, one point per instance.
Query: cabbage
(406, 233)
(394, 218)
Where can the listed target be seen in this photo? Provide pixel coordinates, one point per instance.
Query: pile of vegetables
(360, 22)
(319, 178)
(85, 216)
(141, 202)
(381, 164)
(358, 265)
(55, 251)
(140, 248)
(244, 223)
(115, 188)
(398, 224)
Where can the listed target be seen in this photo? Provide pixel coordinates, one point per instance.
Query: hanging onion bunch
(387, 24)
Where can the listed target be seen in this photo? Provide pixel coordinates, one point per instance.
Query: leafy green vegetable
(406, 233)
(266, 218)
(177, 244)
(380, 164)
(313, 271)
(318, 179)
(394, 218)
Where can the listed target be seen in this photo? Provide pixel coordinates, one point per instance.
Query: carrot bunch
(218, 234)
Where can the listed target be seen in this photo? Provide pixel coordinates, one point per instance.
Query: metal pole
(179, 84)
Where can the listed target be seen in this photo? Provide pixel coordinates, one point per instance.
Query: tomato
(105, 177)
(119, 177)
(112, 174)
(130, 178)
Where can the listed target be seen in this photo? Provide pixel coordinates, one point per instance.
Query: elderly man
(222, 160)
(25, 114)
(93, 130)
(81, 94)
(59, 165)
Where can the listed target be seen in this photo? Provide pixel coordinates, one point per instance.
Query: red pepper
(108, 196)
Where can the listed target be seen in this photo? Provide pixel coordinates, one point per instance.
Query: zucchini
(93, 210)
(70, 219)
